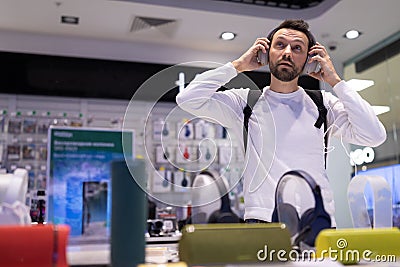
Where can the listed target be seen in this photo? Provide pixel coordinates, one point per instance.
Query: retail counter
(230, 245)
(158, 250)
(161, 250)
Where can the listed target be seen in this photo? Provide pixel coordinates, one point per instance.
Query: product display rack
(181, 147)
(24, 145)
(24, 122)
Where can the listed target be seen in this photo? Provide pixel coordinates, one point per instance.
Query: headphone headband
(310, 36)
(298, 173)
(222, 188)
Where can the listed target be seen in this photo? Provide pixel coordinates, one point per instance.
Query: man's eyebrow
(295, 40)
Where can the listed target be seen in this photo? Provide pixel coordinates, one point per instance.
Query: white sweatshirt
(282, 135)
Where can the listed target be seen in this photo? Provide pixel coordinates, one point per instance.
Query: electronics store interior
(102, 166)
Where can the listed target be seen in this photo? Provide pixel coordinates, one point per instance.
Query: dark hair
(295, 24)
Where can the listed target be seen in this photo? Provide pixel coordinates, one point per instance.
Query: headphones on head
(225, 213)
(311, 222)
(308, 67)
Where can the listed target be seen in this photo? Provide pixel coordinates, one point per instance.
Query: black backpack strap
(252, 98)
(316, 96)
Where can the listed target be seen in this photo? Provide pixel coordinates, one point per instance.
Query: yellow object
(172, 264)
(220, 244)
(350, 246)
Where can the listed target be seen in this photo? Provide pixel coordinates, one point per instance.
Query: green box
(233, 243)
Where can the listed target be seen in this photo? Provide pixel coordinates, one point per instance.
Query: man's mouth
(286, 64)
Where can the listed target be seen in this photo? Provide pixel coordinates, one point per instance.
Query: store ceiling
(183, 30)
(105, 28)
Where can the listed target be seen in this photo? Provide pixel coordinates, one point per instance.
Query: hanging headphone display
(225, 213)
(306, 227)
(382, 202)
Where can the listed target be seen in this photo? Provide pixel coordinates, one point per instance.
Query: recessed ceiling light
(360, 85)
(226, 36)
(70, 20)
(352, 34)
(380, 109)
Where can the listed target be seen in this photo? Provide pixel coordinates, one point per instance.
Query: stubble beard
(286, 74)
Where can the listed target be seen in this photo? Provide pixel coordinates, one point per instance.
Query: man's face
(287, 54)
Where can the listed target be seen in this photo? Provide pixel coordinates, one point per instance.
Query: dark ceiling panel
(289, 4)
(31, 74)
(273, 9)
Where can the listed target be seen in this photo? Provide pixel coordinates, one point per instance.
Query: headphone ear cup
(288, 216)
(315, 223)
(228, 217)
(223, 217)
(306, 219)
(214, 216)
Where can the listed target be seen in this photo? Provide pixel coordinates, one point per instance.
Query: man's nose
(287, 50)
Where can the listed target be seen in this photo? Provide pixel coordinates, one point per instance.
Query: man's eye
(297, 48)
(280, 45)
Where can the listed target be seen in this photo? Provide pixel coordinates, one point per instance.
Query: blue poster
(79, 172)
